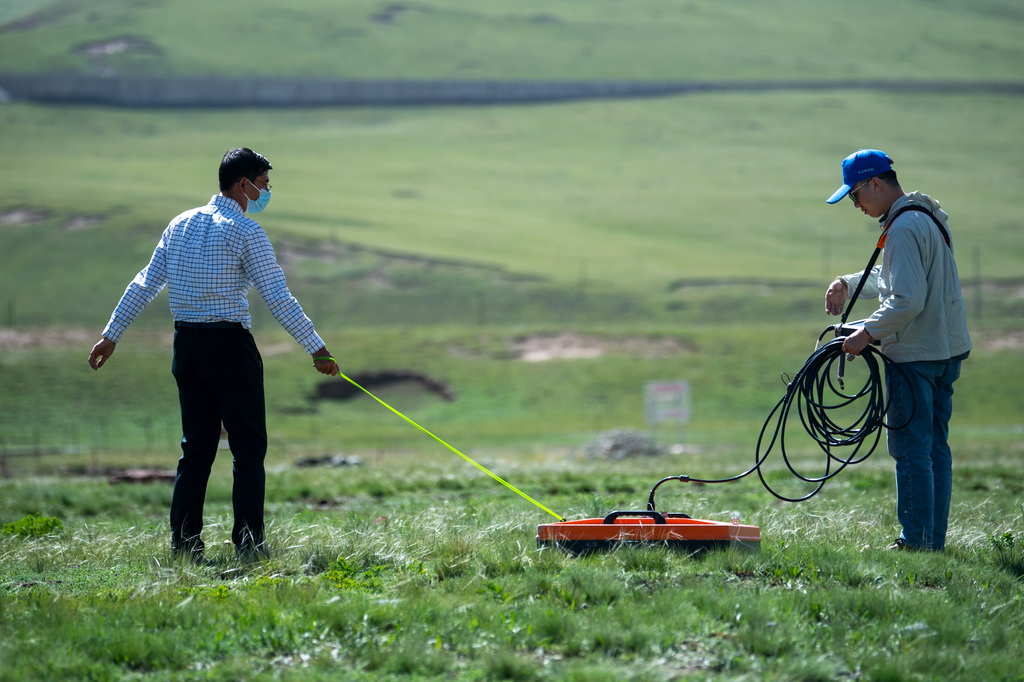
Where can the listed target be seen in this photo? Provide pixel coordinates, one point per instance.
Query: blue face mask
(257, 205)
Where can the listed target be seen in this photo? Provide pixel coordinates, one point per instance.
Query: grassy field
(616, 201)
(420, 570)
(418, 238)
(675, 238)
(556, 39)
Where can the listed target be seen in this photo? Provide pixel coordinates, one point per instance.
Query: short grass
(500, 403)
(418, 568)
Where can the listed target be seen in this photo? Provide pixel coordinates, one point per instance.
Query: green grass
(553, 39)
(433, 240)
(130, 407)
(412, 567)
(584, 212)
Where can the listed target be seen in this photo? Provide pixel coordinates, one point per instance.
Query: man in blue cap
(921, 324)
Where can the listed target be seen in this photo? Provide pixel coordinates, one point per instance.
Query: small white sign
(668, 401)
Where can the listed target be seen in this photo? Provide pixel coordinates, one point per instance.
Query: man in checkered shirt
(208, 258)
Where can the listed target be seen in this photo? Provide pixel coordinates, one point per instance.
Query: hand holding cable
(324, 363)
(818, 401)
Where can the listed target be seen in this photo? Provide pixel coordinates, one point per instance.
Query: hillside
(534, 39)
(674, 216)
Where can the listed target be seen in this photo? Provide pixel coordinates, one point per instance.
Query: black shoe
(901, 545)
(252, 555)
(193, 556)
(190, 549)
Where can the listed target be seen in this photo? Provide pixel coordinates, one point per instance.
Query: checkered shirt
(208, 258)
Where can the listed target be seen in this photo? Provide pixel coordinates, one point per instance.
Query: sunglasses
(853, 192)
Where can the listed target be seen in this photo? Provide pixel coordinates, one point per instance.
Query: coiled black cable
(816, 394)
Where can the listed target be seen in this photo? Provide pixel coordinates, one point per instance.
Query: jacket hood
(917, 199)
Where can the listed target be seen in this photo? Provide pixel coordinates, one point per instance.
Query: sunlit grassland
(580, 217)
(433, 240)
(501, 404)
(553, 39)
(419, 566)
(611, 200)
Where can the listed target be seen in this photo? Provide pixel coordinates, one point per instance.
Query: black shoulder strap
(921, 209)
(878, 250)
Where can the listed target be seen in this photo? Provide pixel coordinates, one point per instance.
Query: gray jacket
(922, 315)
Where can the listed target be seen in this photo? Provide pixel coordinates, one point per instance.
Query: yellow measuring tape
(497, 478)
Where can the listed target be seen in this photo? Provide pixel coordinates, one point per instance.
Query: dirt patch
(23, 216)
(83, 222)
(390, 13)
(622, 444)
(141, 476)
(573, 346)
(343, 390)
(1007, 341)
(25, 339)
(101, 53)
(101, 49)
(329, 461)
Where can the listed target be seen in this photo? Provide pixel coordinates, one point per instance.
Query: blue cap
(861, 165)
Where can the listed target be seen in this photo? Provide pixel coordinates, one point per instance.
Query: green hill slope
(598, 199)
(696, 218)
(545, 39)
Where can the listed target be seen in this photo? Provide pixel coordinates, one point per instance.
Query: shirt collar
(226, 203)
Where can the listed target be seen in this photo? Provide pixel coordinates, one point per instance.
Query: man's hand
(856, 342)
(101, 352)
(324, 363)
(835, 297)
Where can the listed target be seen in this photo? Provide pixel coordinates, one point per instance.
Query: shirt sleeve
(140, 293)
(260, 265)
(870, 285)
(906, 287)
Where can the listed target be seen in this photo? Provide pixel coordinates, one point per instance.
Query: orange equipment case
(647, 528)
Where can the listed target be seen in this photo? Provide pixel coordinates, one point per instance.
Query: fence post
(977, 284)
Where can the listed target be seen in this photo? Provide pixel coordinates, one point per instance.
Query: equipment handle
(657, 516)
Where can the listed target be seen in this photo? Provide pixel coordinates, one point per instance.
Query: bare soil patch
(101, 49)
(1007, 341)
(572, 346)
(83, 222)
(25, 339)
(23, 216)
(343, 390)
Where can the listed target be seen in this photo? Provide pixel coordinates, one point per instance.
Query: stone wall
(211, 91)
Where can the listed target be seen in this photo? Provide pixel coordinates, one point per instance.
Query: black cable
(816, 393)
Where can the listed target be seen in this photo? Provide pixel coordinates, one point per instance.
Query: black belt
(208, 325)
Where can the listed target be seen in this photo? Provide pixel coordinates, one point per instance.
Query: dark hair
(889, 178)
(239, 163)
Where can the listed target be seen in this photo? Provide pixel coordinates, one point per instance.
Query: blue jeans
(922, 393)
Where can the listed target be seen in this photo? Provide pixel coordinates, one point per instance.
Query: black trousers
(219, 373)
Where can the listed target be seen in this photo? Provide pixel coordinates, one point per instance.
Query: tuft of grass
(32, 526)
(1008, 552)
